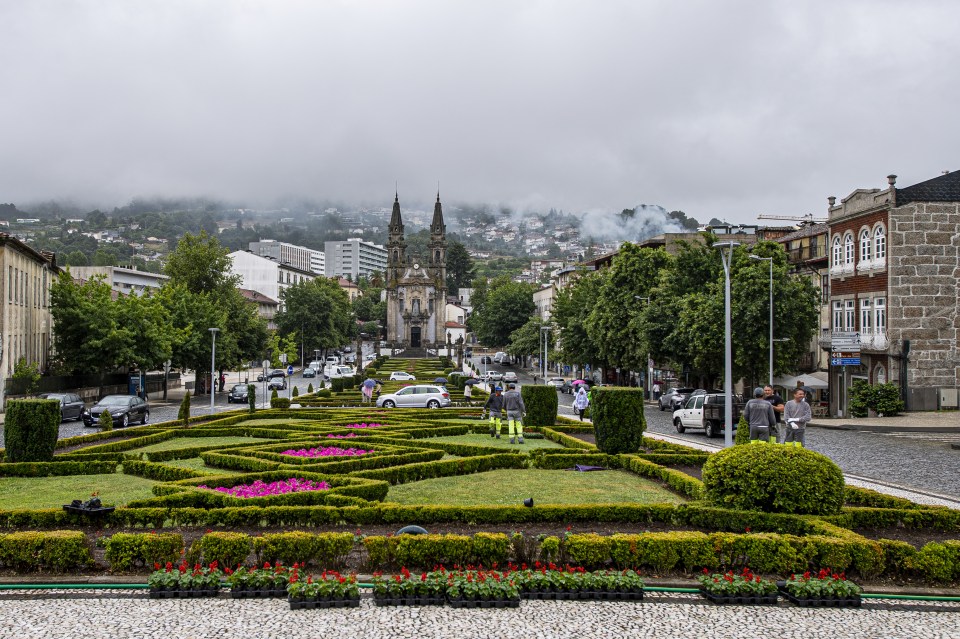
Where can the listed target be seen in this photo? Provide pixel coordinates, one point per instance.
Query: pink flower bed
(328, 451)
(364, 425)
(347, 436)
(261, 489)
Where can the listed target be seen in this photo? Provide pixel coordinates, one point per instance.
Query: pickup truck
(706, 412)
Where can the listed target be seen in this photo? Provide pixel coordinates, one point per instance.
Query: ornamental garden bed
(440, 470)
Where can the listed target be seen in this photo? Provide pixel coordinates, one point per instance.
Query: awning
(809, 381)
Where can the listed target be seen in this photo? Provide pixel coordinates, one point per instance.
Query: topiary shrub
(127, 551)
(310, 388)
(323, 392)
(742, 434)
(30, 430)
(618, 420)
(227, 548)
(336, 385)
(541, 403)
(882, 398)
(252, 397)
(279, 402)
(296, 392)
(273, 396)
(106, 420)
(774, 479)
(184, 414)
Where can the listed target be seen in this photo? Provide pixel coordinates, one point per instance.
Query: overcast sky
(718, 108)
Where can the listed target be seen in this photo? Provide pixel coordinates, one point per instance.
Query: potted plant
(824, 588)
(163, 581)
(744, 587)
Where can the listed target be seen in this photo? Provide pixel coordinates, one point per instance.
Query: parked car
(556, 382)
(339, 372)
(402, 376)
(499, 357)
(706, 411)
(238, 394)
(275, 372)
(124, 409)
(510, 377)
(416, 397)
(277, 383)
(332, 360)
(350, 359)
(308, 372)
(486, 359)
(674, 398)
(71, 404)
(494, 376)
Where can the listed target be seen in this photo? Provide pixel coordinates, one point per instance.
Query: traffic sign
(845, 341)
(283, 358)
(845, 361)
(290, 369)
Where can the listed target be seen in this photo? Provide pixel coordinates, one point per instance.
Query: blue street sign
(290, 369)
(845, 361)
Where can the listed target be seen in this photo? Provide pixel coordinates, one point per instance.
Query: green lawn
(487, 440)
(195, 463)
(511, 487)
(189, 442)
(52, 492)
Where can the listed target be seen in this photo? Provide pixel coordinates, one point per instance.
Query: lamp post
(545, 331)
(727, 258)
(769, 259)
(213, 366)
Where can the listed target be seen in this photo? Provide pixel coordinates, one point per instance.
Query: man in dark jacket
(759, 414)
(495, 406)
(777, 402)
(513, 404)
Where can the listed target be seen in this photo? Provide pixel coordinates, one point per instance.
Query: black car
(277, 383)
(308, 372)
(486, 359)
(124, 409)
(276, 372)
(238, 394)
(71, 405)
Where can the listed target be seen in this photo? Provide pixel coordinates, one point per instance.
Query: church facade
(416, 285)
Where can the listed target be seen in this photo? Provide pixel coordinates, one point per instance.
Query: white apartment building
(354, 258)
(122, 280)
(266, 276)
(299, 257)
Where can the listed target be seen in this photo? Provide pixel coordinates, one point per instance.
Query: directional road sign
(290, 370)
(845, 341)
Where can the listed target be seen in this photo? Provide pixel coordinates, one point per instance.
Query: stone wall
(924, 279)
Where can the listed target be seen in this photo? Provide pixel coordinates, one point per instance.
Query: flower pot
(745, 600)
(823, 602)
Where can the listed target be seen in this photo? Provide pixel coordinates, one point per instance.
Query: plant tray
(296, 604)
(827, 602)
(257, 593)
(422, 600)
(742, 600)
(185, 593)
(584, 595)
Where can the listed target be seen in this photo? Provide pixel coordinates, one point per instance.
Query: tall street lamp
(213, 366)
(727, 258)
(545, 331)
(769, 259)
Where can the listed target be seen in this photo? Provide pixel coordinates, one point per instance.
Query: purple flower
(262, 489)
(329, 451)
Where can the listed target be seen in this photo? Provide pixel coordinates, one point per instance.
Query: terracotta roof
(807, 230)
(255, 296)
(454, 325)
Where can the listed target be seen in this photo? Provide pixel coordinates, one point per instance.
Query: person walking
(796, 414)
(468, 392)
(580, 402)
(760, 415)
(776, 434)
(657, 390)
(494, 406)
(513, 404)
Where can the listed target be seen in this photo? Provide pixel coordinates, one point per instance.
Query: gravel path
(658, 616)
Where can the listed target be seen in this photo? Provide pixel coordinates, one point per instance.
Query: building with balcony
(122, 280)
(806, 250)
(266, 307)
(299, 257)
(354, 258)
(893, 271)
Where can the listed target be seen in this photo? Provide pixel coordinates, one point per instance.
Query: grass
(52, 492)
(195, 463)
(189, 442)
(503, 442)
(511, 487)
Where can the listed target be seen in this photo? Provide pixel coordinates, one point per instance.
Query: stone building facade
(893, 278)
(416, 286)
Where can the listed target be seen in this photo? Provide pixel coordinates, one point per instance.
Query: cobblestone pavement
(658, 616)
(926, 463)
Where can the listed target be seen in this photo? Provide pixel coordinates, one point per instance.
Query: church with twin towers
(416, 286)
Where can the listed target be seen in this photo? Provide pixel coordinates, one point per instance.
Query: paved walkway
(659, 615)
(929, 422)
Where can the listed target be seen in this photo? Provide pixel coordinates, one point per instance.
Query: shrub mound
(31, 429)
(774, 479)
(541, 403)
(618, 420)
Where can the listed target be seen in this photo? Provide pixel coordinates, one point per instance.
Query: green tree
(527, 339)
(201, 264)
(26, 376)
(321, 310)
(571, 315)
(506, 308)
(364, 308)
(460, 268)
(150, 331)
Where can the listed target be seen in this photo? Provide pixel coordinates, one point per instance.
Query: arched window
(837, 252)
(396, 255)
(866, 244)
(848, 249)
(436, 257)
(879, 244)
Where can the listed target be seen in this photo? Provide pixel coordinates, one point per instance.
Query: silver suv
(420, 396)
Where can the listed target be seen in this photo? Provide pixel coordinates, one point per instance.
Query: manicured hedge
(226, 548)
(541, 404)
(447, 468)
(159, 472)
(57, 551)
(426, 551)
(58, 468)
(678, 481)
(618, 419)
(128, 551)
(327, 550)
(30, 429)
(567, 441)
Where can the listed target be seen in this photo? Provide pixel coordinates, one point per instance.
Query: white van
(333, 360)
(499, 357)
(339, 372)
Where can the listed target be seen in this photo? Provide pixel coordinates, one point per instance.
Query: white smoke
(647, 220)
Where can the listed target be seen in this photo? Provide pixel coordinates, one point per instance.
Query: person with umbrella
(367, 390)
(580, 402)
(495, 406)
(468, 389)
